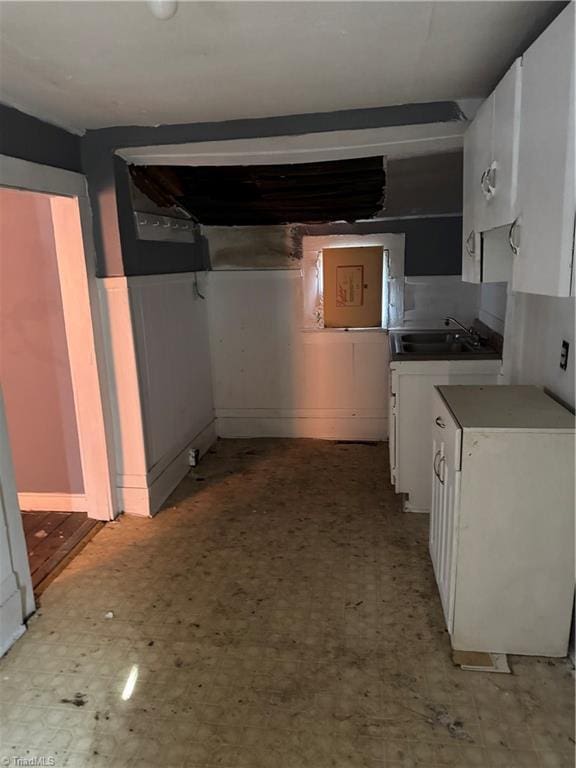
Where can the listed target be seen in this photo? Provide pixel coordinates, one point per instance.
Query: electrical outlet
(564, 355)
(193, 457)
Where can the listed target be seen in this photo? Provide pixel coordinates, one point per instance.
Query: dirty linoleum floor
(280, 612)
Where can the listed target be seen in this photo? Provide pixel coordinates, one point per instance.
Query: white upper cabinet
(470, 239)
(544, 233)
(477, 141)
(490, 170)
(501, 181)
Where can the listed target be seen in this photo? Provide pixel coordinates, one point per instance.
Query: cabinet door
(392, 426)
(470, 234)
(501, 181)
(477, 159)
(445, 496)
(546, 198)
(496, 256)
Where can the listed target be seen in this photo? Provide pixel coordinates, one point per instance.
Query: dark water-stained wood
(42, 523)
(51, 537)
(33, 521)
(337, 190)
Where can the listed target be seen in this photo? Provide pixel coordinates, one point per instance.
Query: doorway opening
(43, 286)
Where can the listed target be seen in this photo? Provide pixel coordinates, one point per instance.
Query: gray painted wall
(149, 257)
(34, 364)
(433, 246)
(118, 250)
(29, 138)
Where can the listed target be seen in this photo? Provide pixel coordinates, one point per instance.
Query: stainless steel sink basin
(437, 345)
(427, 337)
(426, 348)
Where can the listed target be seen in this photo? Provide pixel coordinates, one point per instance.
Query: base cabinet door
(392, 427)
(445, 497)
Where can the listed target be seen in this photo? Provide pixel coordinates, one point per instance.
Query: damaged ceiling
(307, 193)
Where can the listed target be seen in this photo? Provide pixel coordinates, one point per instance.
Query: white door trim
(76, 266)
(16, 593)
(22, 174)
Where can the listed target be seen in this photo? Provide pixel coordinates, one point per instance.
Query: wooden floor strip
(44, 549)
(45, 575)
(53, 538)
(36, 521)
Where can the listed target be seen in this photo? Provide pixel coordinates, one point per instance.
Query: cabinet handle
(442, 460)
(438, 453)
(514, 245)
(471, 249)
(440, 422)
(488, 182)
(491, 179)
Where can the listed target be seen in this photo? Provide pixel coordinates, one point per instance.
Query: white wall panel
(272, 378)
(539, 324)
(172, 349)
(159, 360)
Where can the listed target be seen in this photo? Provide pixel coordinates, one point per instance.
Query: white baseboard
(145, 495)
(416, 510)
(52, 502)
(177, 470)
(134, 501)
(320, 427)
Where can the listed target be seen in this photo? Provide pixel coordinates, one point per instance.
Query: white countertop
(506, 408)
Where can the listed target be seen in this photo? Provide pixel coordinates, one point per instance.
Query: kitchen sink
(437, 345)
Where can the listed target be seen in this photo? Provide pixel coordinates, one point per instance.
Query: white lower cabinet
(446, 436)
(412, 385)
(502, 522)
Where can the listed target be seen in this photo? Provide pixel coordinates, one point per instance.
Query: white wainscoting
(272, 379)
(160, 378)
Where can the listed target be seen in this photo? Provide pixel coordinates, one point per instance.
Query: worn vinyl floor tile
(279, 612)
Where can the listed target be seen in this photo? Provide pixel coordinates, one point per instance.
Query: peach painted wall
(34, 366)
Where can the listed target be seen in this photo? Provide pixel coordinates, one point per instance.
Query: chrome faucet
(472, 332)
